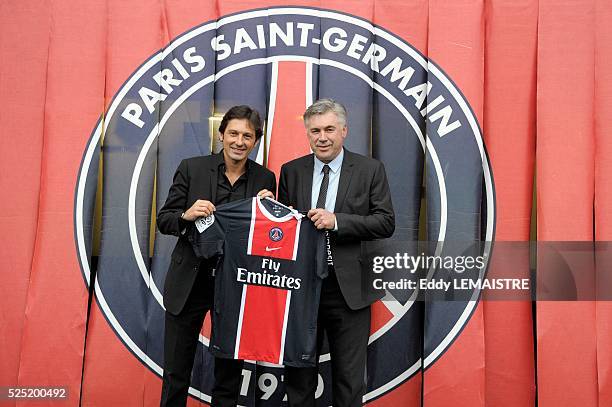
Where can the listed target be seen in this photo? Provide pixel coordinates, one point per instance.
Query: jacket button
(195, 268)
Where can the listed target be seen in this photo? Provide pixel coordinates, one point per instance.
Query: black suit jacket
(195, 178)
(363, 212)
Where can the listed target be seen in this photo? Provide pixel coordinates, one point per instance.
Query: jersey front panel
(266, 302)
(271, 236)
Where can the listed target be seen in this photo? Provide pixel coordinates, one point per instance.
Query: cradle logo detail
(276, 234)
(164, 106)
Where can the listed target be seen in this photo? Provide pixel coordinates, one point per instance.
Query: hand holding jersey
(200, 208)
(264, 193)
(322, 219)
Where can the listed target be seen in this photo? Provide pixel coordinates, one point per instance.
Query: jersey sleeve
(207, 236)
(321, 255)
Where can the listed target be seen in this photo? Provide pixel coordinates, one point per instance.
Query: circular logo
(164, 113)
(276, 234)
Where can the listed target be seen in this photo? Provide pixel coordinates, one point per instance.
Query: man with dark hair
(242, 112)
(347, 195)
(199, 184)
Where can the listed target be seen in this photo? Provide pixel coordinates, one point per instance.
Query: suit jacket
(195, 178)
(363, 212)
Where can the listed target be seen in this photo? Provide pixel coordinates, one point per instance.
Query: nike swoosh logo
(271, 249)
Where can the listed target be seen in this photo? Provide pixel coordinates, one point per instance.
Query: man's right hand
(200, 208)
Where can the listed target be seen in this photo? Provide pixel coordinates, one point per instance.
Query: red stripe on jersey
(263, 324)
(273, 238)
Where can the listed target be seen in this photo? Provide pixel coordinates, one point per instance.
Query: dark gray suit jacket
(363, 211)
(195, 178)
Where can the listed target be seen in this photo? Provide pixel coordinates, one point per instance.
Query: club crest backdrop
(473, 107)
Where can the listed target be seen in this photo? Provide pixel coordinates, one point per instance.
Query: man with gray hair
(347, 195)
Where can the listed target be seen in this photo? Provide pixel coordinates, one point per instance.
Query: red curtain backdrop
(537, 75)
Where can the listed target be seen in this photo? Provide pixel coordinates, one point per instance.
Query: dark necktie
(321, 204)
(324, 185)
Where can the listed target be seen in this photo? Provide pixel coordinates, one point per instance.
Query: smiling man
(199, 184)
(347, 195)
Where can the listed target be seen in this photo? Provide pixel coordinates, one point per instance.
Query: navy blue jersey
(268, 281)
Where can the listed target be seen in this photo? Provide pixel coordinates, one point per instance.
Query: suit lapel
(214, 174)
(250, 180)
(345, 180)
(306, 181)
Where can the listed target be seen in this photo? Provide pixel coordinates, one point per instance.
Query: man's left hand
(322, 219)
(264, 193)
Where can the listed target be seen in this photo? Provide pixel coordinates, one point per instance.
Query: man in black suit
(199, 184)
(348, 195)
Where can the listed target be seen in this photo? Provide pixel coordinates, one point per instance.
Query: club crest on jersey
(159, 116)
(275, 234)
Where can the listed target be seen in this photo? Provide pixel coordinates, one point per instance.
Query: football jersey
(268, 279)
